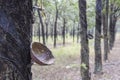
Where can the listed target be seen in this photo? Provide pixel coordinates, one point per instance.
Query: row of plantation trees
(64, 22)
(16, 19)
(107, 13)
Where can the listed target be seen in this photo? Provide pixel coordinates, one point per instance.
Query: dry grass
(67, 64)
(66, 67)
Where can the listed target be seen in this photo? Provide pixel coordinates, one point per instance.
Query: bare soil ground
(111, 69)
(68, 68)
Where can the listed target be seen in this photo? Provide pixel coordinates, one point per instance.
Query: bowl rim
(36, 59)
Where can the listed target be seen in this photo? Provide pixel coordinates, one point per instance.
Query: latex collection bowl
(41, 54)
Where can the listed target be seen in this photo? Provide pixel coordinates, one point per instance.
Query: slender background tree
(84, 41)
(105, 30)
(97, 47)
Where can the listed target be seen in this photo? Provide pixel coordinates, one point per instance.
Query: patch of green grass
(59, 40)
(68, 52)
(63, 54)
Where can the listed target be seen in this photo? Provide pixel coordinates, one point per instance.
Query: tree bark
(78, 33)
(51, 31)
(113, 20)
(97, 47)
(105, 31)
(42, 26)
(47, 22)
(39, 31)
(111, 26)
(15, 38)
(114, 30)
(73, 31)
(46, 31)
(84, 41)
(63, 32)
(55, 26)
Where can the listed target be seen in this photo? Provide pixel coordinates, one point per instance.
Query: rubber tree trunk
(39, 31)
(46, 29)
(73, 31)
(51, 28)
(111, 27)
(55, 26)
(51, 31)
(105, 31)
(42, 26)
(34, 11)
(97, 47)
(47, 22)
(66, 32)
(39, 26)
(63, 32)
(84, 41)
(112, 32)
(78, 33)
(15, 38)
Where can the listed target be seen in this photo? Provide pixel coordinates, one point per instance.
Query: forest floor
(68, 67)
(111, 68)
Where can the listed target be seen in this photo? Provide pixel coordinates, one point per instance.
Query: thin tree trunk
(111, 28)
(39, 30)
(105, 31)
(55, 26)
(51, 29)
(15, 38)
(63, 32)
(78, 33)
(84, 41)
(34, 4)
(66, 32)
(51, 32)
(97, 47)
(73, 31)
(47, 23)
(39, 26)
(114, 30)
(46, 31)
(42, 26)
